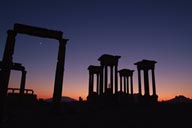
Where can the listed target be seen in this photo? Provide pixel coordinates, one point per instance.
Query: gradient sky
(159, 30)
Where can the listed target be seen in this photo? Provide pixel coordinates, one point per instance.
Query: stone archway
(9, 51)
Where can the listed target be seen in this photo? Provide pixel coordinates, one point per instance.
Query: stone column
(111, 79)
(131, 85)
(146, 82)
(90, 84)
(101, 81)
(23, 79)
(139, 81)
(57, 94)
(5, 71)
(98, 85)
(9, 47)
(120, 83)
(7, 62)
(153, 82)
(116, 79)
(106, 79)
(127, 84)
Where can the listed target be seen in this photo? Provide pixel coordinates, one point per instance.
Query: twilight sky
(159, 30)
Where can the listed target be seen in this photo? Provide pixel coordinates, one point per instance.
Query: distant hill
(179, 99)
(63, 99)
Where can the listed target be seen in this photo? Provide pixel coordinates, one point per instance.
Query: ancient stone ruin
(7, 63)
(107, 87)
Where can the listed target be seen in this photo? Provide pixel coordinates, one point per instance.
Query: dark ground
(84, 115)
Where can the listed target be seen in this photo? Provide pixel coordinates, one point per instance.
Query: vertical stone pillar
(111, 79)
(9, 47)
(131, 85)
(90, 84)
(153, 82)
(146, 82)
(127, 84)
(7, 62)
(98, 84)
(106, 78)
(116, 79)
(23, 79)
(5, 71)
(139, 81)
(120, 83)
(101, 81)
(57, 94)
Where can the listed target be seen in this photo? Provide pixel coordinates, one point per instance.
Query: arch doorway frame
(8, 58)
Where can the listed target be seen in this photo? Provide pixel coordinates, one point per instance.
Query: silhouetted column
(101, 81)
(106, 78)
(127, 84)
(98, 84)
(57, 94)
(139, 81)
(90, 84)
(9, 47)
(120, 83)
(116, 79)
(5, 71)
(7, 62)
(131, 85)
(153, 82)
(22, 85)
(111, 79)
(146, 82)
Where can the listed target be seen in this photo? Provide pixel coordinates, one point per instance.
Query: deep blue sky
(159, 30)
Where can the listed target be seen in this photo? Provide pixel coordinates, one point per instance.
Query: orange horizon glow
(76, 96)
(83, 94)
(84, 97)
(71, 91)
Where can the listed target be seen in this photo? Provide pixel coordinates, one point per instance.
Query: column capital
(63, 41)
(11, 33)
